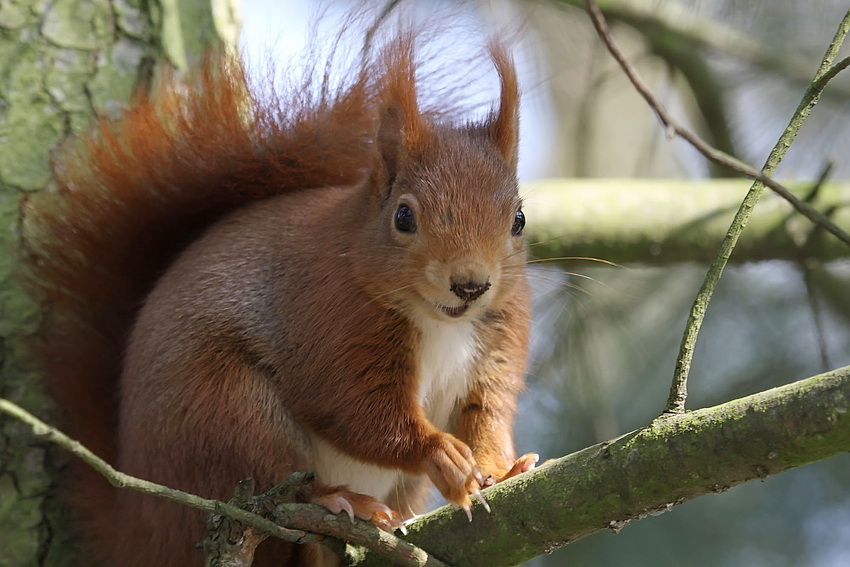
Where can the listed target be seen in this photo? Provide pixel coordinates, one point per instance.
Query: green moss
(133, 20)
(22, 549)
(66, 81)
(14, 14)
(115, 77)
(78, 24)
(28, 118)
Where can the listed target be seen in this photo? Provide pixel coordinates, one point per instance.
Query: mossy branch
(646, 472)
(669, 221)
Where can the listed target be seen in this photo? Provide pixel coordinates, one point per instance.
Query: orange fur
(231, 274)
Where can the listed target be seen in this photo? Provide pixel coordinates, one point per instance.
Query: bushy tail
(133, 192)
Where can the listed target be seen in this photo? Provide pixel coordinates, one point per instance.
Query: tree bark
(64, 62)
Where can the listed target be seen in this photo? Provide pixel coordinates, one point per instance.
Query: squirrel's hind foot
(338, 499)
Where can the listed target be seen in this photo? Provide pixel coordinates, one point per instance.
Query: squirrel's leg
(217, 423)
(382, 422)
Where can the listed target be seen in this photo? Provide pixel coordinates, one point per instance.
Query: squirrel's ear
(390, 143)
(504, 124)
(400, 126)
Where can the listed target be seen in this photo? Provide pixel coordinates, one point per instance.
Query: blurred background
(606, 339)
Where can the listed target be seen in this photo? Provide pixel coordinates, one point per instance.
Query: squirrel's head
(448, 239)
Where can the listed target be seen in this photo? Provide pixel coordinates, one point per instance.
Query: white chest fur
(446, 355)
(447, 352)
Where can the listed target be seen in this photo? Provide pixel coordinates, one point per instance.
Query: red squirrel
(330, 281)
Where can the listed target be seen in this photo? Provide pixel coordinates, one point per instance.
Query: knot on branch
(229, 542)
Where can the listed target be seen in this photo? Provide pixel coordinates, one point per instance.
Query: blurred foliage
(605, 340)
(733, 69)
(603, 356)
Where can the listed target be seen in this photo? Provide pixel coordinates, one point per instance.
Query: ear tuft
(504, 124)
(400, 125)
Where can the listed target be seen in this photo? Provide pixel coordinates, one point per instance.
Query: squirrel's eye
(405, 221)
(519, 223)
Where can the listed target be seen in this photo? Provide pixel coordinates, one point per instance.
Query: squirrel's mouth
(454, 312)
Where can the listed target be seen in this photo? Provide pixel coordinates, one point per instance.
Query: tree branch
(665, 221)
(397, 551)
(698, 30)
(304, 517)
(646, 472)
(121, 480)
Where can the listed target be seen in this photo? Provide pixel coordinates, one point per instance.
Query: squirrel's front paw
(523, 464)
(453, 471)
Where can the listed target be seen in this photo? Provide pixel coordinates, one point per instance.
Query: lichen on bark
(62, 63)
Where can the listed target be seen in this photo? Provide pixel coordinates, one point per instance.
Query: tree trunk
(63, 63)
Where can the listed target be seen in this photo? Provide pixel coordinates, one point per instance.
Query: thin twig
(386, 544)
(718, 157)
(821, 82)
(373, 29)
(807, 268)
(678, 390)
(808, 271)
(122, 480)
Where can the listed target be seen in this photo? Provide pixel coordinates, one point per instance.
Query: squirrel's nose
(469, 290)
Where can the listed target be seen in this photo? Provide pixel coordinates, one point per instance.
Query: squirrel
(329, 279)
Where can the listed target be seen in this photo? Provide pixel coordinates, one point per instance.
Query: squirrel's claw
(466, 508)
(480, 498)
(389, 521)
